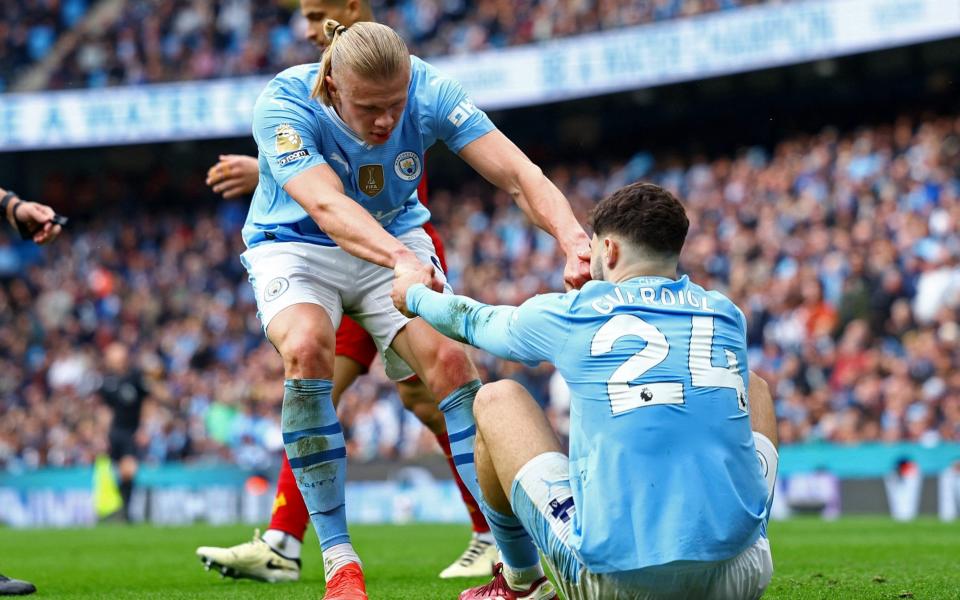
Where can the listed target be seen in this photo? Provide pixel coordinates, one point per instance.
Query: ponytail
(332, 30)
(371, 50)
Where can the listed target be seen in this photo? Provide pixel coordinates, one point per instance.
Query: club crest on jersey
(407, 166)
(288, 140)
(275, 288)
(370, 179)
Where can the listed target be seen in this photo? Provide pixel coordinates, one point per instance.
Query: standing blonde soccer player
(275, 556)
(341, 146)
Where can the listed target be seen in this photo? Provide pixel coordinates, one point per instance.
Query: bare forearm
(320, 193)
(507, 167)
(357, 232)
(763, 415)
(547, 207)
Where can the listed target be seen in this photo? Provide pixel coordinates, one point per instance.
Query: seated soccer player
(662, 494)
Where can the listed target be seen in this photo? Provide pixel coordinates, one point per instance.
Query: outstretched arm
(504, 165)
(530, 333)
(38, 219)
(464, 319)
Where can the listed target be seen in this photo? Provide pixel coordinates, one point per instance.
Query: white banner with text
(588, 65)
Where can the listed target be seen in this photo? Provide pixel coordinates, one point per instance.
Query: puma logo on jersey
(386, 217)
(340, 160)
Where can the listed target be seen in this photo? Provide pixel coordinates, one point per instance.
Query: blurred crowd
(842, 249)
(844, 253)
(175, 40)
(30, 28)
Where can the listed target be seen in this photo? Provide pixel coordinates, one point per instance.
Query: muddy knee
(306, 355)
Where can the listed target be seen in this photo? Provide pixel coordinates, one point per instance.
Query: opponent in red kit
(275, 556)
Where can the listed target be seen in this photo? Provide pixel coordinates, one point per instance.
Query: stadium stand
(30, 29)
(146, 41)
(841, 247)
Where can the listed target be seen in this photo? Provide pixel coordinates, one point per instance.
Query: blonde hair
(371, 50)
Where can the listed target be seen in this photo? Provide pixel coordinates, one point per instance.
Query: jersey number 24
(625, 397)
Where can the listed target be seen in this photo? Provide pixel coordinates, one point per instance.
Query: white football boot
(476, 561)
(252, 560)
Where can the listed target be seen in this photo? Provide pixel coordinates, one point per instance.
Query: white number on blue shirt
(702, 371)
(625, 397)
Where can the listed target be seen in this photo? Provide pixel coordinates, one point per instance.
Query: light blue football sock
(318, 456)
(515, 544)
(457, 409)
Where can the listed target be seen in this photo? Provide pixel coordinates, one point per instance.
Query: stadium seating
(841, 248)
(29, 29)
(175, 40)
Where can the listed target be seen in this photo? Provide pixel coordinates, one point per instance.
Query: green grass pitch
(859, 558)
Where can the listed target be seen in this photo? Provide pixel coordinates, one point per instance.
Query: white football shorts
(288, 273)
(542, 500)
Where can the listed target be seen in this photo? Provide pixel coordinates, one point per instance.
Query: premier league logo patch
(275, 288)
(407, 166)
(287, 138)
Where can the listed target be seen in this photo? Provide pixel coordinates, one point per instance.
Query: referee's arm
(38, 219)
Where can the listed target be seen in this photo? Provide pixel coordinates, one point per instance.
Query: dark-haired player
(662, 495)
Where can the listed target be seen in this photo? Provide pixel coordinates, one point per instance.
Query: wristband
(5, 202)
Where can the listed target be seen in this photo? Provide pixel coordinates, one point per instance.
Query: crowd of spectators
(842, 249)
(175, 40)
(29, 29)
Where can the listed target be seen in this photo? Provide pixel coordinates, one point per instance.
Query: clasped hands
(408, 273)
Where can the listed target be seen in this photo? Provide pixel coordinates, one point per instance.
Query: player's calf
(504, 446)
(451, 368)
(440, 362)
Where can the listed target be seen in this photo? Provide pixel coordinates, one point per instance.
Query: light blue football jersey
(663, 466)
(295, 132)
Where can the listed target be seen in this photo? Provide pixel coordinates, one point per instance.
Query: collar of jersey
(641, 279)
(332, 113)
